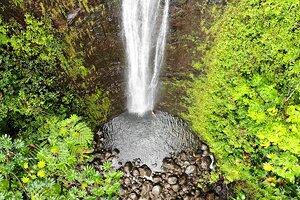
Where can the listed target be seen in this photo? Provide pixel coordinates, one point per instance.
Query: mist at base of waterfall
(150, 138)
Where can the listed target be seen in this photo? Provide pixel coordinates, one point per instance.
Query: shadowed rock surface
(150, 138)
(183, 176)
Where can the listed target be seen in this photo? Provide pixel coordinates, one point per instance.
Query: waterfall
(145, 24)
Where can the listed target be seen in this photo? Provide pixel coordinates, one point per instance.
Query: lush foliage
(97, 107)
(43, 156)
(35, 75)
(247, 105)
(56, 167)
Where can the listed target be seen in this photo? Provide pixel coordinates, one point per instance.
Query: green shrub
(97, 107)
(247, 106)
(36, 78)
(56, 167)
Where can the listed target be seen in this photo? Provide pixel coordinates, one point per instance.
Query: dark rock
(167, 186)
(182, 156)
(205, 162)
(178, 179)
(168, 164)
(135, 186)
(185, 164)
(128, 167)
(144, 170)
(115, 152)
(182, 179)
(198, 193)
(210, 196)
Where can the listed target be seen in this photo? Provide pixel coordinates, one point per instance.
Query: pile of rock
(179, 178)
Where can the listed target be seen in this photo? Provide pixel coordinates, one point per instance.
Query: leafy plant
(246, 105)
(35, 75)
(97, 107)
(56, 167)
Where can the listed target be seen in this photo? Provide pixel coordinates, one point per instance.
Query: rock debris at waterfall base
(179, 178)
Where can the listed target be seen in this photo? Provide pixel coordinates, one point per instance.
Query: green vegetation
(44, 153)
(35, 76)
(246, 105)
(56, 167)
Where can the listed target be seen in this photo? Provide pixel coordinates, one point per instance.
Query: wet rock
(128, 167)
(206, 153)
(182, 156)
(156, 190)
(167, 186)
(115, 152)
(144, 170)
(178, 179)
(204, 147)
(188, 197)
(191, 169)
(108, 154)
(185, 164)
(172, 180)
(210, 196)
(205, 162)
(127, 181)
(175, 188)
(135, 186)
(168, 164)
(156, 179)
(135, 172)
(99, 157)
(133, 196)
(182, 179)
(146, 188)
(218, 189)
(198, 193)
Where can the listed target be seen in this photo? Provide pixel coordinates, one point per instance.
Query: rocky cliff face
(93, 27)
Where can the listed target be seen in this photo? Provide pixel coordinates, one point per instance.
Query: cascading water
(149, 138)
(145, 25)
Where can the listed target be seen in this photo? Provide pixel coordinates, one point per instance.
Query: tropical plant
(246, 105)
(36, 77)
(55, 167)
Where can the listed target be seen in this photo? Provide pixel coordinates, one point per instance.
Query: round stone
(191, 169)
(156, 190)
(133, 196)
(172, 180)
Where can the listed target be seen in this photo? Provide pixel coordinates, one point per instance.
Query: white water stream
(145, 24)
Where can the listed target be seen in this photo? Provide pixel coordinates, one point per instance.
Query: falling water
(145, 27)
